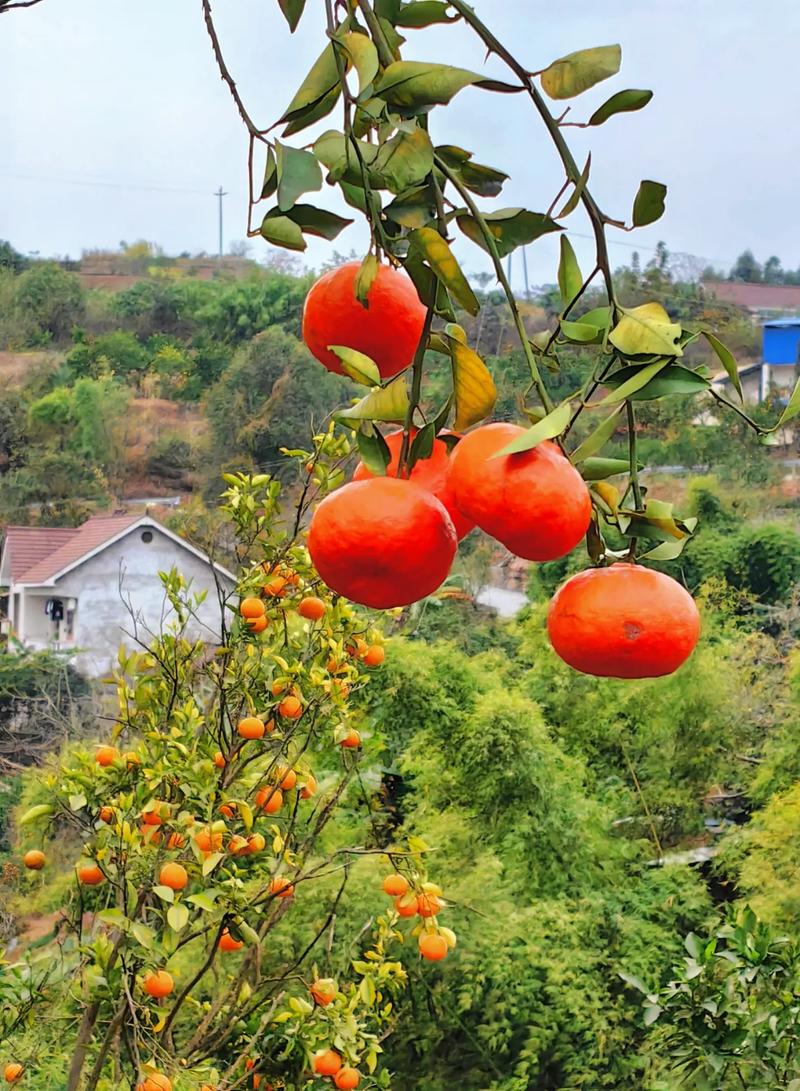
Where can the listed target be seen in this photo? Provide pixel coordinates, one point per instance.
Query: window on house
(147, 536)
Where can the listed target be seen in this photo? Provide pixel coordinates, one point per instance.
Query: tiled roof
(55, 554)
(756, 296)
(28, 546)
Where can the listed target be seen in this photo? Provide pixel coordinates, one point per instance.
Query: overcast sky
(114, 123)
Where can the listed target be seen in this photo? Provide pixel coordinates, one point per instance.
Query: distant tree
(773, 273)
(51, 299)
(11, 258)
(746, 269)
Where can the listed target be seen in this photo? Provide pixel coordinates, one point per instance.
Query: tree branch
(224, 71)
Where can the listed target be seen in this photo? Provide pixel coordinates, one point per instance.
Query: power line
(101, 183)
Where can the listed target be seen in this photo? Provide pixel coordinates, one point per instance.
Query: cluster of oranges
(390, 540)
(435, 942)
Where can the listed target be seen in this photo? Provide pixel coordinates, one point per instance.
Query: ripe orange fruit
(323, 991)
(431, 473)
(237, 846)
(175, 876)
(229, 810)
(257, 624)
(34, 859)
(219, 760)
(158, 984)
(291, 708)
(286, 778)
(156, 1081)
(352, 740)
(327, 1062)
(252, 608)
(151, 835)
(388, 330)
(256, 843)
(407, 905)
(251, 728)
(356, 647)
(309, 789)
(428, 905)
(535, 503)
(151, 818)
(131, 759)
(13, 1072)
(90, 875)
(382, 542)
(106, 814)
(228, 943)
(395, 885)
(347, 1079)
(433, 947)
(281, 886)
(278, 686)
(623, 622)
(312, 608)
(374, 656)
(276, 587)
(270, 799)
(176, 841)
(105, 755)
(208, 840)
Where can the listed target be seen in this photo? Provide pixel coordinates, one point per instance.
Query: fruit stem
(416, 387)
(634, 469)
(491, 246)
(376, 30)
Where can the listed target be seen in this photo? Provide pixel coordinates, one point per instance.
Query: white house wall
(102, 619)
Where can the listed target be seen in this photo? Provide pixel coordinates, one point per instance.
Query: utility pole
(525, 273)
(220, 193)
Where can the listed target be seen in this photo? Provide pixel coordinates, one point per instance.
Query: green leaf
(144, 935)
(246, 814)
(674, 379)
(570, 279)
(373, 448)
(473, 386)
(115, 917)
(292, 10)
(298, 173)
(281, 231)
(634, 982)
(579, 331)
(725, 357)
(483, 180)
(317, 94)
(211, 862)
(597, 469)
(599, 317)
(357, 365)
(341, 156)
(422, 444)
(791, 410)
(364, 280)
(577, 72)
(388, 403)
(657, 522)
(414, 208)
(649, 203)
(423, 13)
(598, 439)
(165, 893)
(77, 802)
(572, 201)
(436, 251)
(651, 1013)
(405, 160)
(549, 426)
(509, 227)
(177, 917)
(316, 221)
(622, 103)
(204, 900)
(412, 84)
(646, 330)
(670, 551)
(636, 382)
(270, 183)
(363, 56)
(35, 813)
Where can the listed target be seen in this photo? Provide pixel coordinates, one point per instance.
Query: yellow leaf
(646, 330)
(475, 392)
(436, 251)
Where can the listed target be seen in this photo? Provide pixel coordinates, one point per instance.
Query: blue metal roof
(783, 322)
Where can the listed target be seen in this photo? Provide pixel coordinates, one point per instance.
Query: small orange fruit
(395, 885)
(291, 708)
(228, 809)
(176, 841)
(323, 991)
(327, 1062)
(151, 835)
(407, 905)
(175, 876)
(535, 502)
(251, 728)
(158, 984)
(624, 621)
(251, 608)
(13, 1072)
(433, 947)
(287, 778)
(352, 740)
(346, 1079)
(281, 886)
(384, 542)
(374, 656)
(237, 846)
(156, 1081)
(106, 814)
(34, 859)
(278, 686)
(388, 330)
(208, 840)
(428, 905)
(228, 943)
(219, 760)
(256, 843)
(105, 755)
(151, 818)
(257, 624)
(356, 647)
(309, 789)
(276, 587)
(90, 875)
(312, 608)
(269, 799)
